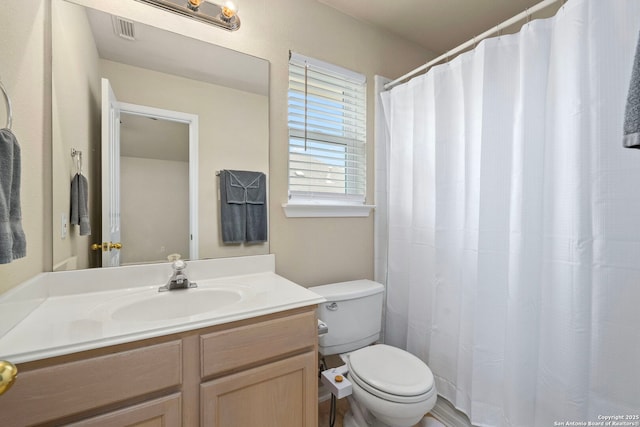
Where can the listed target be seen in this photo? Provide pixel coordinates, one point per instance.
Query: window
(327, 133)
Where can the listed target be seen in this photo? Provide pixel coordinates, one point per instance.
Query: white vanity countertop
(67, 322)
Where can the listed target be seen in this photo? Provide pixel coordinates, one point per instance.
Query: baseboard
(448, 415)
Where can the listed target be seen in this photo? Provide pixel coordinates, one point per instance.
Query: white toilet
(391, 387)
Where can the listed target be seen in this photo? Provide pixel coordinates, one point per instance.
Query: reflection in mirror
(154, 188)
(148, 66)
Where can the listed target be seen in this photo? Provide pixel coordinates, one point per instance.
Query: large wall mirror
(189, 109)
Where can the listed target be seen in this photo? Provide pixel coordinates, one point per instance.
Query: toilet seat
(391, 374)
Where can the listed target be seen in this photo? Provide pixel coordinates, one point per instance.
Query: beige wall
(25, 72)
(75, 124)
(313, 251)
(154, 209)
(309, 251)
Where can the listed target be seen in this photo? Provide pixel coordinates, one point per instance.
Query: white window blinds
(327, 131)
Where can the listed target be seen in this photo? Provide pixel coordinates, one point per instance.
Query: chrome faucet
(178, 279)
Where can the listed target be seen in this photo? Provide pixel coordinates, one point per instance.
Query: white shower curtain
(514, 222)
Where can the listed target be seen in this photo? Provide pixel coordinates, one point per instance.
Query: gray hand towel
(246, 187)
(243, 208)
(631, 138)
(232, 215)
(79, 203)
(256, 231)
(13, 243)
(256, 197)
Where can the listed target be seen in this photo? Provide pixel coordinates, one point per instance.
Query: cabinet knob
(8, 374)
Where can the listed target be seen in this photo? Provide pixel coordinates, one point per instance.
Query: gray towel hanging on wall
(243, 206)
(79, 204)
(13, 244)
(631, 138)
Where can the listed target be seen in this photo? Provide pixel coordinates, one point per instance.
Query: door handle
(8, 375)
(100, 247)
(106, 246)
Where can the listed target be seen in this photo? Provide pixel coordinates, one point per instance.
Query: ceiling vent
(124, 28)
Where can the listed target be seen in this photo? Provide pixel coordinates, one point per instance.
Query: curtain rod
(450, 53)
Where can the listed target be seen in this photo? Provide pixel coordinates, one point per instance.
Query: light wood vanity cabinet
(273, 395)
(254, 372)
(246, 392)
(161, 412)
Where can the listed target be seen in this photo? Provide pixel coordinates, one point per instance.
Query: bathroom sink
(175, 304)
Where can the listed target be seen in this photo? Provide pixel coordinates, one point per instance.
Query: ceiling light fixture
(224, 15)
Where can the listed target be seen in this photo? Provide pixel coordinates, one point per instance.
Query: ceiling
(172, 53)
(438, 25)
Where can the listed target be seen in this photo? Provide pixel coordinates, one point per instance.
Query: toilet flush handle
(332, 307)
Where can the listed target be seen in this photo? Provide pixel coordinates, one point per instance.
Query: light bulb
(228, 10)
(194, 4)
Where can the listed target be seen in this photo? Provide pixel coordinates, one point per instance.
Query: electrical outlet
(64, 226)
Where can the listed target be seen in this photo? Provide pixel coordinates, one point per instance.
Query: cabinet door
(279, 394)
(163, 412)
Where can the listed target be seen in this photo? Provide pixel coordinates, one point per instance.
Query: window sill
(326, 210)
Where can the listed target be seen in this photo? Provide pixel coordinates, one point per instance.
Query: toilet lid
(391, 370)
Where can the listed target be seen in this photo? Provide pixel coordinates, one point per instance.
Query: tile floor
(342, 406)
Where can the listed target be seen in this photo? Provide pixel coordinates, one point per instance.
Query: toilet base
(360, 416)
(350, 421)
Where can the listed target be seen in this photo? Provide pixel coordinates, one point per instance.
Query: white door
(110, 177)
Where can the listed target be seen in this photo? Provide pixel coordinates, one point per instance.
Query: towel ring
(8, 101)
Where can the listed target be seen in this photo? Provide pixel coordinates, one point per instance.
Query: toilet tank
(353, 314)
